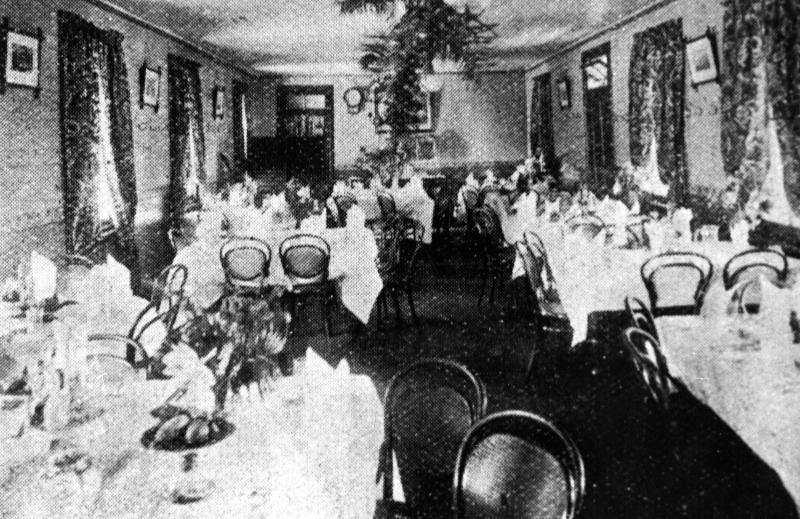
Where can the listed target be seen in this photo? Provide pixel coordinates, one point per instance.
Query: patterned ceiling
(311, 36)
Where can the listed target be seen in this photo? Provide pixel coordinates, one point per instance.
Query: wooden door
(599, 117)
(305, 132)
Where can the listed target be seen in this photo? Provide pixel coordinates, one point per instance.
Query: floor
(640, 461)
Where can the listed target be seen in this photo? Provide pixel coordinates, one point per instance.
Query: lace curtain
(656, 100)
(97, 142)
(761, 69)
(186, 137)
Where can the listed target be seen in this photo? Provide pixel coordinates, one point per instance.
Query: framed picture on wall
(423, 120)
(702, 57)
(149, 87)
(564, 93)
(219, 102)
(21, 51)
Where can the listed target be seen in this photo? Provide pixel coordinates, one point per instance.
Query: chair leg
(410, 296)
(398, 312)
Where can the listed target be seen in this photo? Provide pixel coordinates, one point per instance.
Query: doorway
(305, 133)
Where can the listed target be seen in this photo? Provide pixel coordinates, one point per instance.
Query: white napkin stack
(740, 234)
(42, 278)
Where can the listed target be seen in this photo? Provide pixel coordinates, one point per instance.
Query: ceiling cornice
(198, 47)
(592, 35)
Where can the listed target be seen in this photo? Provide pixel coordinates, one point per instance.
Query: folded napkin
(42, 278)
(339, 188)
(740, 233)
(471, 181)
(356, 218)
(656, 232)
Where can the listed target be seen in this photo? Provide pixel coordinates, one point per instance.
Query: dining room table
(308, 447)
(597, 275)
(746, 368)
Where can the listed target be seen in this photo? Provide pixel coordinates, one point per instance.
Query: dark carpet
(641, 462)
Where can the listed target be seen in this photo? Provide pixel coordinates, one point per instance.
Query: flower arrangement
(298, 198)
(214, 353)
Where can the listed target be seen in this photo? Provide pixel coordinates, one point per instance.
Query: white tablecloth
(308, 450)
(592, 277)
(353, 254)
(751, 382)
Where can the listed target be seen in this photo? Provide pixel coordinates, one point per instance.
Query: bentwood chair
(640, 316)
(246, 264)
(644, 351)
(679, 279)
(306, 260)
(399, 242)
(515, 464)
(429, 408)
(387, 205)
(343, 203)
(164, 306)
(754, 262)
(589, 225)
(496, 255)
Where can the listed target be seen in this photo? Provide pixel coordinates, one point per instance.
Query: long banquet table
(748, 372)
(353, 254)
(309, 449)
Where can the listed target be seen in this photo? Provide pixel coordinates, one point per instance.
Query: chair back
(76, 260)
(246, 263)
(471, 196)
(386, 204)
(588, 225)
(343, 203)
(516, 464)
(640, 316)
(675, 271)
(488, 229)
(429, 408)
(751, 263)
(651, 366)
(168, 291)
(305, 259)
(388, 235)
(411, 240)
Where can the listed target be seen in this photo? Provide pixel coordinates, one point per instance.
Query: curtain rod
(135, 18)
(657, 4)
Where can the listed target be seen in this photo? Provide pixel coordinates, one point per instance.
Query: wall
(30, 149)
(475, 121)
(703, 103)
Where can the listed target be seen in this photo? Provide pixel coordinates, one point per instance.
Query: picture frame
(564, 89)
(424, 122)
(21, 53)
(149, 87)
(701, 56)
(218, 102)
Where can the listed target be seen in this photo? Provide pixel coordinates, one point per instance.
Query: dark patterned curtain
(656, 98)
(782, 30)
(186, 138)
(743, 103)
(541, 129)
(239, 129)
(97, 143)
